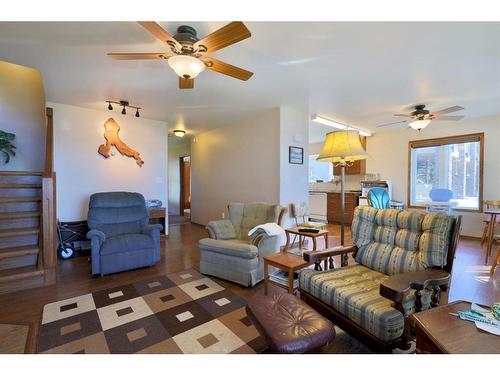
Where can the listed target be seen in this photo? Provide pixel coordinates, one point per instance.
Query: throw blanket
(271, 229)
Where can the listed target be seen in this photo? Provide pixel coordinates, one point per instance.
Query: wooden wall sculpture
(111, 130)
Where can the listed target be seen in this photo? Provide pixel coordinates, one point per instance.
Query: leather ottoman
(289, 325)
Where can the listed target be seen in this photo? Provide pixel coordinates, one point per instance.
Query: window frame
(473, 137)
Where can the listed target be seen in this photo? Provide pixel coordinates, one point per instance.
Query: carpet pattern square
(183, 312)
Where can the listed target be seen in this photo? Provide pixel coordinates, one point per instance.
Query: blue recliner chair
(121, 238)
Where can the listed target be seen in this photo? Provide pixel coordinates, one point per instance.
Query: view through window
(453, 163)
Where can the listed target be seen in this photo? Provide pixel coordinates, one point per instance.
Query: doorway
(185, 186)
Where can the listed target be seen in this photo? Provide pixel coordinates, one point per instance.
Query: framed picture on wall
(295, 155)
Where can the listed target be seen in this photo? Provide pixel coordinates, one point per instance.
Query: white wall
(248, 162)
(175, 151)
(22, 112)
(236, 163)
(81, 171)
(388, 155)
(294, 131)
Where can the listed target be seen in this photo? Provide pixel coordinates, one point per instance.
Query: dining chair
(490, 205)
(440, 201)
(379, 198)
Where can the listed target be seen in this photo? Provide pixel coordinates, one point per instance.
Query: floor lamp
(342, 148)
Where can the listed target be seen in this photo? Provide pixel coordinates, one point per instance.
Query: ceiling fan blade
(186, 83)
(233, 32)
(139, 56)
(227, 69)
(159, 32)
(448, 118)
(455, 108)
(391, 123)
(402, 115)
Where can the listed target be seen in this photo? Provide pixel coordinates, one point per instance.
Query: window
(453, 163)
(319, 170)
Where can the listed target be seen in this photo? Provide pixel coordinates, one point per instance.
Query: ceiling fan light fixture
(179, 133)
(419, 124)
(186, 66)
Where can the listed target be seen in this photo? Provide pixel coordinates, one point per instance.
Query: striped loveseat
(395, 251)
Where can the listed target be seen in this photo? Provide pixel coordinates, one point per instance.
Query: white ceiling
(356, 73)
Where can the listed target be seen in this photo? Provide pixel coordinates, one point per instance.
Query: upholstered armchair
(121, 238)
(229, 253)
(404, 260)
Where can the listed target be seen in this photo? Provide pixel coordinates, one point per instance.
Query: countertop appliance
(318, 206)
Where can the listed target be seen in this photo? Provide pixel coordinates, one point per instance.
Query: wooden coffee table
(439, 332)
(286, 262)
(295, 231)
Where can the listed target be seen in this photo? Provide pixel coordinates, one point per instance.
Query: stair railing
(48, 225)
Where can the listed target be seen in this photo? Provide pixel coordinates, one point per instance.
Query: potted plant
(6, 146)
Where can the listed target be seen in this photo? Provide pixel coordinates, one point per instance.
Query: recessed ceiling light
(179, 133)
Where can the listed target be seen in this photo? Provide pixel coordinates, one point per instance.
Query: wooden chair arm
(395, 287)
(314, 256)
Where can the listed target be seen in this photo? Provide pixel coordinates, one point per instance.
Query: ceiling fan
(422, 117)
(187, 54)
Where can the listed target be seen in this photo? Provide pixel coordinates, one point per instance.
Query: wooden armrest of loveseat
(316, 256)
(395, 287)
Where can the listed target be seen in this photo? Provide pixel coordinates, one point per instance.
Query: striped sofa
(387, 242)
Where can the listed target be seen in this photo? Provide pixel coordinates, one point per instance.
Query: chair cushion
(434, 241)
(126, 243)
(237, 248)
(246, 216)
(354, 292)
(392, 241)
(117, 213)
(222, 229)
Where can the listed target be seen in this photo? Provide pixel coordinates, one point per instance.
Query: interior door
(185, 181)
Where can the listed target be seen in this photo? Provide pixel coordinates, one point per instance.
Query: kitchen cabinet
(333, 207)
(358, 167)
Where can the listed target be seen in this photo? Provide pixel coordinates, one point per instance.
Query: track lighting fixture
(124, 104)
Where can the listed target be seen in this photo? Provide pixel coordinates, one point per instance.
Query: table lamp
(342, 148)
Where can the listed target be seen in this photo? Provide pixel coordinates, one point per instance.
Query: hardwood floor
(470, 280)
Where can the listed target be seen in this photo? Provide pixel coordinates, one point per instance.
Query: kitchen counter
(335, 191)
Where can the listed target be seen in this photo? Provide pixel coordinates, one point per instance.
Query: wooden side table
(286, 262)
(295, 231)
(158, 214)
(439, 332)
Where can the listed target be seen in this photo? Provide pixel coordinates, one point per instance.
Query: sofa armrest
(150, 228)
(314, 256)
(395, 287)
(95, 234)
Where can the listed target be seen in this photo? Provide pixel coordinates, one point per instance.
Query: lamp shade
(342, 146)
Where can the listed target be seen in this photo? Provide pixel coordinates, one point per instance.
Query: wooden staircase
(28, 225)
(21, 263)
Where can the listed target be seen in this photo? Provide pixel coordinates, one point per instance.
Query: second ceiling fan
(188, 55)
(421, 117)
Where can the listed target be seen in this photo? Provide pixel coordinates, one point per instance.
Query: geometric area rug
(183, 312)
